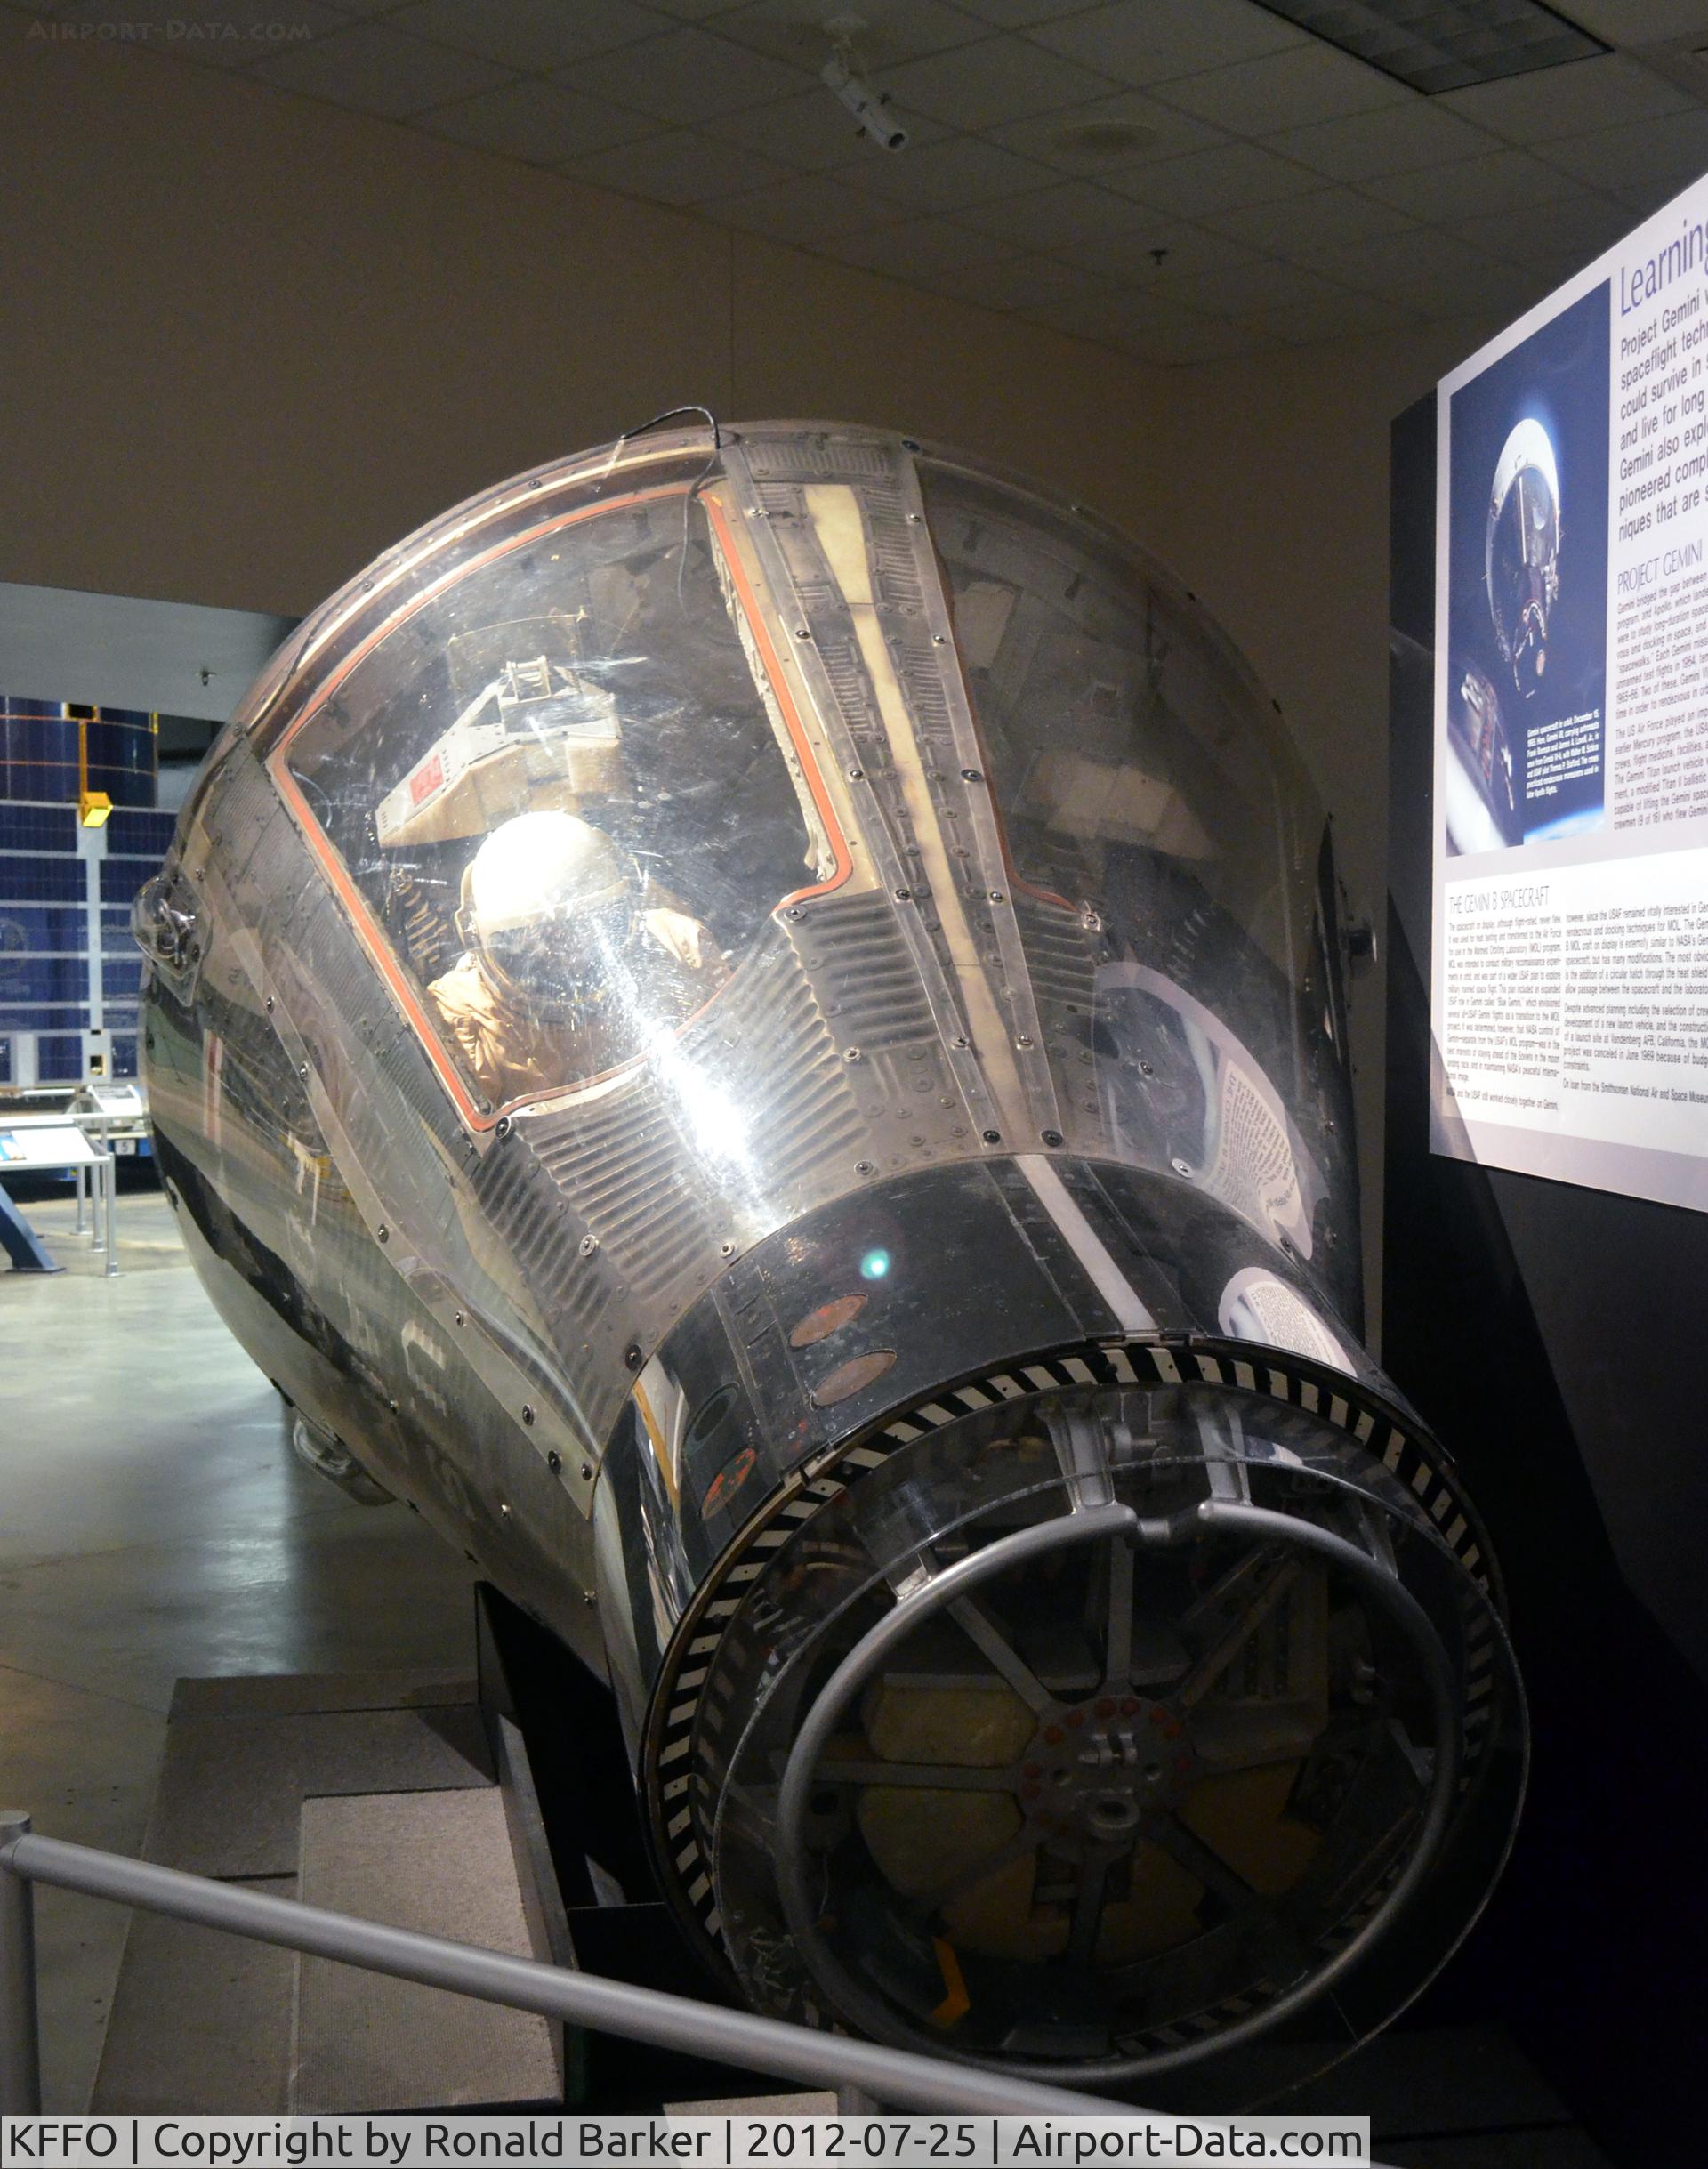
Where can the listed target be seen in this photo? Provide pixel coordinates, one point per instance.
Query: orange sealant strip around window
(430, 541)
(370, 934)
(371, 938)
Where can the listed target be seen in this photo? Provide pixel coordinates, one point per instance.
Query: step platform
(414, 1799)
(375, 1794)
(441, 1862)
(496, 1809)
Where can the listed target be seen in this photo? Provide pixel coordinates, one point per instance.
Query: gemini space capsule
(753, 1023)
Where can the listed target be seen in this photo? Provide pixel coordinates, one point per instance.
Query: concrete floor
(156, 1524)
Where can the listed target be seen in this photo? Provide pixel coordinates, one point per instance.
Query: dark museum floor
(157, 1525)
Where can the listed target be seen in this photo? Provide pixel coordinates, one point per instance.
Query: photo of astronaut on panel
(1528, 589)
(595, 812)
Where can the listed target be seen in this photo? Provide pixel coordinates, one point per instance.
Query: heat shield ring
(1096, 1732)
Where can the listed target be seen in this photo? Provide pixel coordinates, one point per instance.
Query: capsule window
(560, 794)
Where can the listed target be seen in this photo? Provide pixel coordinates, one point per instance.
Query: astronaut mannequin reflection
(571, 964)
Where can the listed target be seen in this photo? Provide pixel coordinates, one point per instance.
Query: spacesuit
(571, 968)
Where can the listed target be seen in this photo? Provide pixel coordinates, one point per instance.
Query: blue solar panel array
(45, 932)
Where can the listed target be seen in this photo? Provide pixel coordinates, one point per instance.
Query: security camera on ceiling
(842, 76)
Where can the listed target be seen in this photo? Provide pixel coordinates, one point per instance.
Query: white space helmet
(544, 899)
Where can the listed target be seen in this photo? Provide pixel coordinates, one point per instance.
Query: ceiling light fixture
(1436, 45)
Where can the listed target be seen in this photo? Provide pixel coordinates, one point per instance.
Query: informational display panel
(1569, 959)
(45, 1147)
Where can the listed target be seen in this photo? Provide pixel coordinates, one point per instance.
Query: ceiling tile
(1073, 211)
(999, 79)
(684, 75)
(1637, 22)
(1108, 135)
(1643, 198)
(812, 131)
(529, 33)
(1155, 256)
(1020, 15)
(1638, 155)
(1285, 90)
(1497, 181)
(891, 30)
(1217, 179)
(1337, 315)
(1498, 290)
(1110, 314)
(1561, 236)
(1168, 37)
(917, 249)
(1405, 266)
(680, 167)
(1567, 100)
(378, 70)
(541, 123)
(945, 175)
(1025, 282)
(1307, 222)
(236, 35)
(1397, 139)
(806, 208)
(1253, 286)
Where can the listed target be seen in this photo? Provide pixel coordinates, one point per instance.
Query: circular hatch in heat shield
(1092, 1732)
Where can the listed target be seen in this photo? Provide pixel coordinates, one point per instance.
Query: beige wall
(254, 339)
(1270, 498)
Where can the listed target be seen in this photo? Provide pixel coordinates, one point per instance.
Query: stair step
(441, 1862)
(200, 2021)
(233, 1782)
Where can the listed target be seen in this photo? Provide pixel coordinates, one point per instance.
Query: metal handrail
(583, 1999)
(895, 2076)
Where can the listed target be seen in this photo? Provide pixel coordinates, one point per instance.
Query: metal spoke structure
(1104, 1793)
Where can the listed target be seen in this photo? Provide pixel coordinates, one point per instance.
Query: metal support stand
(63, 1145)
(21, 1242)
(102, 1177)
(21, 2056)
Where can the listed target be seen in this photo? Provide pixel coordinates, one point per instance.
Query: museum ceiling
(1187, 180)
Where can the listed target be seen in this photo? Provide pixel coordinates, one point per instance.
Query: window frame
(474, 1114)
